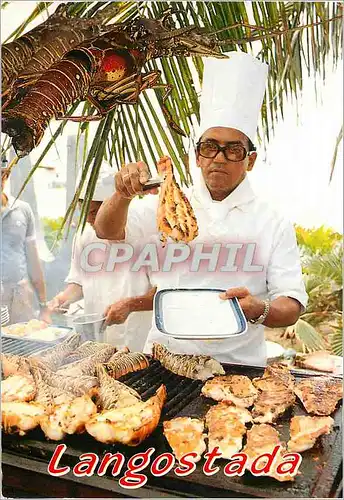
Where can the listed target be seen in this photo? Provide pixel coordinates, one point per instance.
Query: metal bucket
(90, 326)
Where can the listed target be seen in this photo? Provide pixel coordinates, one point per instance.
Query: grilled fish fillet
(237, 389)
(320, 395)
(185, 435)
(68, 418)
(226, 428)
(276, 394)
(304, 431)
(112, 393)
(21, 417)
(176, 218)
(19, 387)
(13, 364)
(87, 366)
(85, 350)
(126, 363)
(54, 357)
(261, 439)
(195, 367)
(130, 425)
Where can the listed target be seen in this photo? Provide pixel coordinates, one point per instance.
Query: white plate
(198, 314)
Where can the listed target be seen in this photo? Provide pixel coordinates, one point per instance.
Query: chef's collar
(240, 198)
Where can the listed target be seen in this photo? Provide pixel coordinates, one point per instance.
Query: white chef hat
(232, 93)
(105, 185)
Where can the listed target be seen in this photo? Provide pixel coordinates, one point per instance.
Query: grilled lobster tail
(61, 85)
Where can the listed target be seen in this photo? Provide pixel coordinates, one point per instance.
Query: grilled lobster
(106, 71)
(25, 59)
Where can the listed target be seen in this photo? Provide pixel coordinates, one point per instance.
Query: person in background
(228, 211)
(21, 269)
(125, 300)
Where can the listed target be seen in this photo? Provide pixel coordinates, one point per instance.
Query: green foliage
(322, 259)
(321, 240)
(52, 229)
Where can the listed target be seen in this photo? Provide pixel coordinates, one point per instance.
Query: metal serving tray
(38, 336)
(181, 313)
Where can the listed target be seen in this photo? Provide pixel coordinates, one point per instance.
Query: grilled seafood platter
(78, 392)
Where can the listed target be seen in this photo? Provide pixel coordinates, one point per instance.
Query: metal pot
(90, 326)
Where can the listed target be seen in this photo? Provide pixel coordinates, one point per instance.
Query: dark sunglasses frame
(221, 149)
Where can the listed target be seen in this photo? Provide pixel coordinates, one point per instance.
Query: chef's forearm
(35, 271)
(284, 311)
(112, 218)
(71, 294)
(142, 302)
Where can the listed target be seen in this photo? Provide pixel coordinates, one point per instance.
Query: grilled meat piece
(320, 361)
(68, 418)
(226, 428)
(87, 366)
(114, 394)
(129, 425)
(194, 367)
(185, 435)
(19, 387)
(319, 395)
(21, 417)
(262, 439)
(275, 394)
(236, 389)
(304, 431)
(54, 357)
(122, 363)
(85, 350)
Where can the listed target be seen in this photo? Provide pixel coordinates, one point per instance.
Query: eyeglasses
(232, 152)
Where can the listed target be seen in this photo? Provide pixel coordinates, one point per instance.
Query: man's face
(221, 175)
(92, 211)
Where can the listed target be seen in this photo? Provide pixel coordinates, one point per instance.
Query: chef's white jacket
(103, 288)
(241, 218)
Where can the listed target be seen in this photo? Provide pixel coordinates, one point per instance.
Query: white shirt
(102, 288)
(242, 218)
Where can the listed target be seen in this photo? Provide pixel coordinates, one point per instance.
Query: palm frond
(310, 339)
(336, 340)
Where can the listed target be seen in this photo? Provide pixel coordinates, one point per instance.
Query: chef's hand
(44, 315)
(130, 179)
(251, 305)
(58, 303)
(117, 313)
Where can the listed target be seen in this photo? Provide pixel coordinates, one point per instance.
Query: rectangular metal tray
(230, 314)
(65, 331)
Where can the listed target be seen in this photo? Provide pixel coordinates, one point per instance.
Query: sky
(293, 174)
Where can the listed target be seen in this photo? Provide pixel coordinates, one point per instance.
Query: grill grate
(22, 347)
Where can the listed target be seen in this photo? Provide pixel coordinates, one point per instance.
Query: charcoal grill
(25, 459)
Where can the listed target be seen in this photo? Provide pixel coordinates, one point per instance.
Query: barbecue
(320, 395)
(320, 470)
(305, 430)
(186, 435)
(226, 428)
(237, 389)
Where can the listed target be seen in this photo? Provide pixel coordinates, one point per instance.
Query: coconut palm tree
(294, 38)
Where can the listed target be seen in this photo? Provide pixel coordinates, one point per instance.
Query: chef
(124, 299)
(270, 289)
